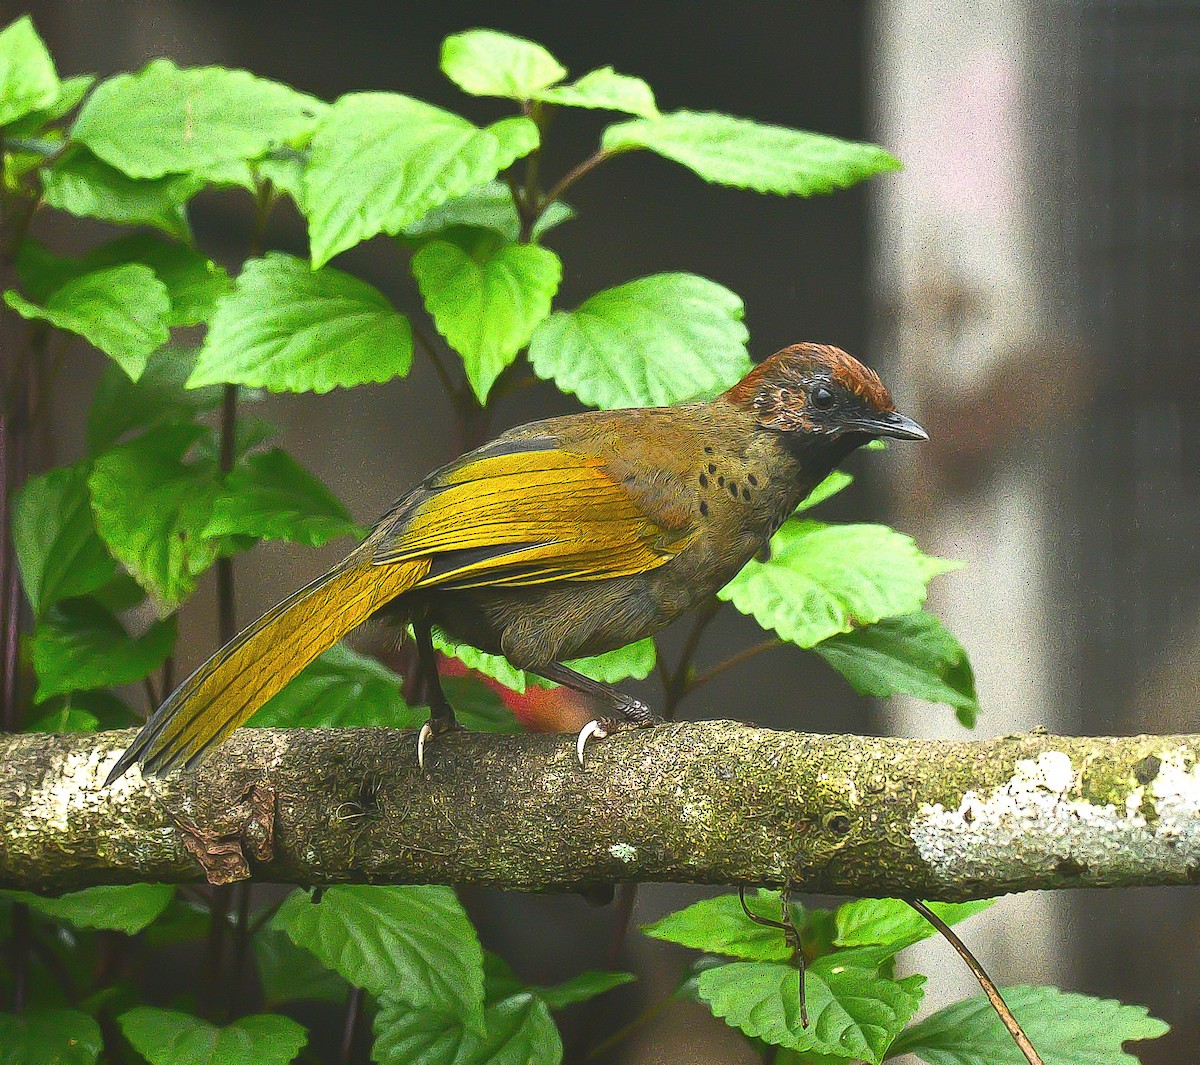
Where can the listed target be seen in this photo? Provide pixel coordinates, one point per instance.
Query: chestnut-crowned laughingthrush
(559, 539)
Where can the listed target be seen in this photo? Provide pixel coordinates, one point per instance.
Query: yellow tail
(247, 671)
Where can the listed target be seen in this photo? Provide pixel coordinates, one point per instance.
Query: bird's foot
(634, 714)
(435, 726)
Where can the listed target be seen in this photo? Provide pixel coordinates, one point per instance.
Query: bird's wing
(523, 512)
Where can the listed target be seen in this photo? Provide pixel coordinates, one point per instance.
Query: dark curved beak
(894, 424)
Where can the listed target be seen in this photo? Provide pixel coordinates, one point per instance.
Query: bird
(559, 539)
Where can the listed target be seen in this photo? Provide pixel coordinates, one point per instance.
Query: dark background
(1122, 538)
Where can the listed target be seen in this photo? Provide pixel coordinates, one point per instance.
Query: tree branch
(716, 802)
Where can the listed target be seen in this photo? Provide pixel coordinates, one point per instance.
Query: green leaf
(124, 908)
(65, 718)
(650, 342)
(853, 1013)
(883, 922)
(518, 1030)
(488, 63)
(581, 988)
(752, 155)
(58, 549)
(486, 296)
(193, 281)
(289, 328)
(719, 926)
(169, 1037)
(633, 660)
(270, 496)
(79, 645)
(1066, 1029)
(70, 93)
(151, 507)
(120, 406)
(381, 161)
(49, 1037)
(834, 483)
(164, 120)
(488, 207)
(824, 579)
(28, 80)
(86, 187)
(340, 689)
(390, 940)
(86, 711)
(289, 974)
(605, 90)
(121, 310)
(478, 707)
(913, 654)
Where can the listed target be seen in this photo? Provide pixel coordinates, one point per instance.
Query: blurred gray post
(965, 299)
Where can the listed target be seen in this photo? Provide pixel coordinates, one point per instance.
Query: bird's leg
(630, 712)
(441, 713)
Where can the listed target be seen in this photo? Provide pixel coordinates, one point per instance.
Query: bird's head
(818, 393)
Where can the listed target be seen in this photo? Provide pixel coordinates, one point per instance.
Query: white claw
(425, 734)
(592, 728)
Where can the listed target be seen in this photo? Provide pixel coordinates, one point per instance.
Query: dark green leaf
(752, 155)
(86, 187)
(654, 341)
(341, 689)
(120, 406)
(488, 207)
(65, 718)
(853, 1012)
(151, 507)
(1066, 1029)
(28, 80)
(79, 645)
(169, 1037)
(122, 310)
(381, 161)
(605, 90)
(124, 908)
(516, 1031)
(719, 926)
(49, 1037)
(913, 654)
(581, 988)
(477, 707)
(388, 940)
(58, 550)
(164, 120)
(289, 328)
(270, 496)
(488, 63)
(870, 922)
(486, 296)
(289, 974)
(194, 282)
(825, 579)
(86, 711)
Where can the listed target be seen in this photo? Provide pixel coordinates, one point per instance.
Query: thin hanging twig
(985, 981)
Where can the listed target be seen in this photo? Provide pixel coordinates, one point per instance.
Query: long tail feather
(246, 672)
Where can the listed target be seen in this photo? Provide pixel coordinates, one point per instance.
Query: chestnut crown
(820, 390)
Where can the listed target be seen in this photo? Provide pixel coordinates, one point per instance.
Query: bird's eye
(821, 398)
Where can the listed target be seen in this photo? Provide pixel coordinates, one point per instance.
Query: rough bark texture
(716, 802)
